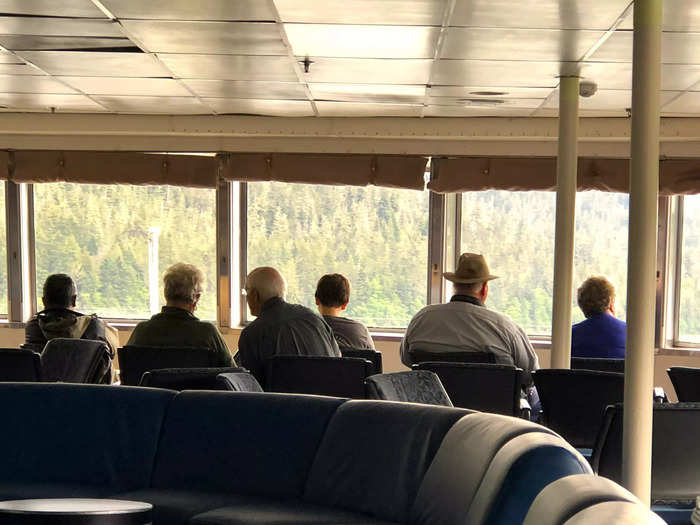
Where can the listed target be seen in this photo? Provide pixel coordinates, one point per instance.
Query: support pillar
(641, 272)
(567, 164)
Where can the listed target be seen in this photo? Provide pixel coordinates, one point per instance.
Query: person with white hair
(280, 328)
(176, 325)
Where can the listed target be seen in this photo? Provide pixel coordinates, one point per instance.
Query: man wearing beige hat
(466, 325)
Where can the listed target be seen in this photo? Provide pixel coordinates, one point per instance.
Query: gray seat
(364, 353)
(686, 382)
(416, 386)
(134, 361)
(419, 355)
(185, 378)
(238, 382)
(598, 363)
(19, 365)
(76, 361)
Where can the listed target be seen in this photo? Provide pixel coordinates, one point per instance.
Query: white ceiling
(415, 58)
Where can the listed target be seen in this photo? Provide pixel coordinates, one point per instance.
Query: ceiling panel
(224, 67)
(20, 25)
(168, 105)
(531, 44)
(608, 99)
(386, 12)
(488, 91)
(33, 84)
(676, 48)
(160, 87)
(61, 43)
(364, 71)
(67, 8)
(189, 10)
(354, 41)
(9, 58)
(452, 111)
(679, 15)
(247, 89)
(498, 73)
(281, 108)
(19, 69)
(226, 38)
(98, 64)
(352, 109)
(45, 102)
(618, 75)
(382, 93)
(687, 103)
(486, 102)
(553, 14)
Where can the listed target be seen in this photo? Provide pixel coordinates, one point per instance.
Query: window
(100, 236)
(376, 237)
(689, 307)
(515, 232)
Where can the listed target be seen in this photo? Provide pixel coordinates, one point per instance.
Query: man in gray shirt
(332, 297)
(280, 328)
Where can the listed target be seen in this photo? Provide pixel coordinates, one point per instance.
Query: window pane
(515, 232)
(689, 313)
(100, 236)
(376, 237)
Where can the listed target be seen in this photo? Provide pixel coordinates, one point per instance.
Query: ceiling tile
(159, 87)
(9, 58)
(98, 64)
(552, 14)
(531, 44)
(607, 99)
(618, 75)
(676, 48)
(386, 12)
(455, 111)
(20, 25)
(381, 93)
(64, 8)
(352, 109)
(62, 43)
(225, 67)
(498, 73)
(365, 70)
(19, 69)
(226, 38)
(354, 41)
(486, 102)
(276, 108)
(188, 10)
(33, 84)
(247, 89)
(45, 102)
(679, 15)
(488, 91)
(687, 103)
(168, 105)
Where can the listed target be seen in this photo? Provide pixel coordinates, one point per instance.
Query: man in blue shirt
(601, 334)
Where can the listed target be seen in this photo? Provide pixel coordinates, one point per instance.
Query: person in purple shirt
(601, 334)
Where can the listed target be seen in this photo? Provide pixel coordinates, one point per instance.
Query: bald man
(280, 328)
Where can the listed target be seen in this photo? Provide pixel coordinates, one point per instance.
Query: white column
(153, 295)
(567, 164)
(641, 272)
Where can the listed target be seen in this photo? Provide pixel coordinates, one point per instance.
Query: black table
(75, 511)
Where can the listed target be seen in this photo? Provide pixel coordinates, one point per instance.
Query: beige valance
(353, 170)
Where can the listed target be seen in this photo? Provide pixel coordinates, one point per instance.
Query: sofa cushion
(616, 513)
(374, 455)
(458, 469)
(238, 442)
(261, 512)
(91, 435)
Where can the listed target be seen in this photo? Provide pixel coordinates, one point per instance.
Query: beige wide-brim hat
(471, 268)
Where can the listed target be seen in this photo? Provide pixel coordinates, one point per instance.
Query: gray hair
(183, 283)
(267, 281)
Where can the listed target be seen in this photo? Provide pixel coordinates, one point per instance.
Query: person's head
(471, 277)
(261, 285)
(59, 291)
(332, 294)
(183, 285)
(596, 296)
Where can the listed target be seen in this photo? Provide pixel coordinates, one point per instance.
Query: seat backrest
(598, 363)
(420, 356)
(327, 376)
(19, 365)
(617, 513)
(239, 382)
(185, 378)
(364, 353)
(76, 361)
(675, 458)
(574, 401)
(686, 382)
(135, 360)
(484, 387)
(416, 386)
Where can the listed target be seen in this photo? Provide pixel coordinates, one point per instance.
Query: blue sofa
(206, 458)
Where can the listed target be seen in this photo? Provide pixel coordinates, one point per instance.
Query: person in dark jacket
(281, 328)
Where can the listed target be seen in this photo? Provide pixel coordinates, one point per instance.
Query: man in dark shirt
(176, 324)
(332, 297)
(280, 328)
(601, 335)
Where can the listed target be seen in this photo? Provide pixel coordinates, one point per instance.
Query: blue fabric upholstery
(98, 436)
(374, 456)
(238, 442)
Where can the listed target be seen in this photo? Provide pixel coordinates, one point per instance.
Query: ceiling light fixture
(488, 93)
(481, 101)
